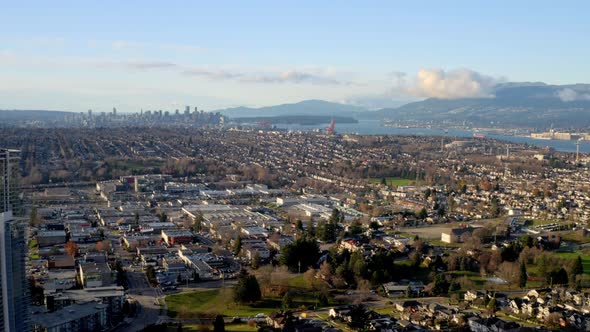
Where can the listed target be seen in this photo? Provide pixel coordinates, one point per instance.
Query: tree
(441, 211)
(374, 225)
(238, 245)
(71, 248)
(300, 255)
(286, 302)
(422, 214)
(310, 228)
(451, 202)
(578, 267)
(198, 222)
(522, 278)
(322, 300)
(163, 217)
(255, 263)
(558, 277)
(299, 225)
(219, 324)
(441, 285)
(247, 290)
(415, 259)
(427, 193)
(35, 220)
(495, 208)
(355, 227)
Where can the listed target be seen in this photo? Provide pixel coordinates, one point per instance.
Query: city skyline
(156, 56)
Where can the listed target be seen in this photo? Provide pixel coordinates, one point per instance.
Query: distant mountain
(514, 105)
(306, 107)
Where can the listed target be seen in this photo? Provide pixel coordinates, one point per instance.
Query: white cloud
(139, 65)
(568, 94)
(437, 83)
(266, 76)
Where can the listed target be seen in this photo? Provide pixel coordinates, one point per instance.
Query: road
(148, 310)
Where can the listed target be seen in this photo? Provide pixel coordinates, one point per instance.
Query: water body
(375, 127)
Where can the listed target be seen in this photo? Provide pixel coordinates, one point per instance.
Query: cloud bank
(568, 95)
(266, 77)
(438, 83)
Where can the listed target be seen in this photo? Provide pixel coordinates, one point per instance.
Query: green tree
(163, 217)
(355, 227)
(441, 285)
(415, 259)
(255, 263)
(578, 267)
(300, 255)
(219, 324)
(198, 222)
(238, 245)
(299, 225)
(422, 214)
(495, 208)
(374, 225)
(441, 211)
(311, 232)
(522, 278)
(322, 300)
(451, 202)
(35, 220)
(247, 289)
(286, 302)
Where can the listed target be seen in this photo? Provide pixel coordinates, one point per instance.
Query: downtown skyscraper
(13, 249)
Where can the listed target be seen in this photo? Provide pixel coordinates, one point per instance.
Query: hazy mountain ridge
(306, 107)
(515, 104)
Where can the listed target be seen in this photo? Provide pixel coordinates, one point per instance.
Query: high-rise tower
(13, 249)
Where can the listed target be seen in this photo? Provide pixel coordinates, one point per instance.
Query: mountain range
(527, 104)
(512, 105)
(306, 107)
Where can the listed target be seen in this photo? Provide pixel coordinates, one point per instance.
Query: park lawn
(215, 301)
(574, 255)
(228, 327)
(298, 282)
(392, 181)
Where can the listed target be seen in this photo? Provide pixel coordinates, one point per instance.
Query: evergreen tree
(311, 231)
(578, 267)
(247, 290)
(522, 278)
(238, 245)
(300, 255)
(286, 302)
(219, 324)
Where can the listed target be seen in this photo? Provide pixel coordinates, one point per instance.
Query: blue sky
(76, 55)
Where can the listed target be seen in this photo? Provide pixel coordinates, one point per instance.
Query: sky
(80, 55)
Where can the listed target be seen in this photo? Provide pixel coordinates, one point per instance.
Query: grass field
(228, 327)
(391, 181)
(212, 302)
(574, 255)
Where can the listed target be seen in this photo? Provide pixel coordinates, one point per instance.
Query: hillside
(514, 105)
(306, 107)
